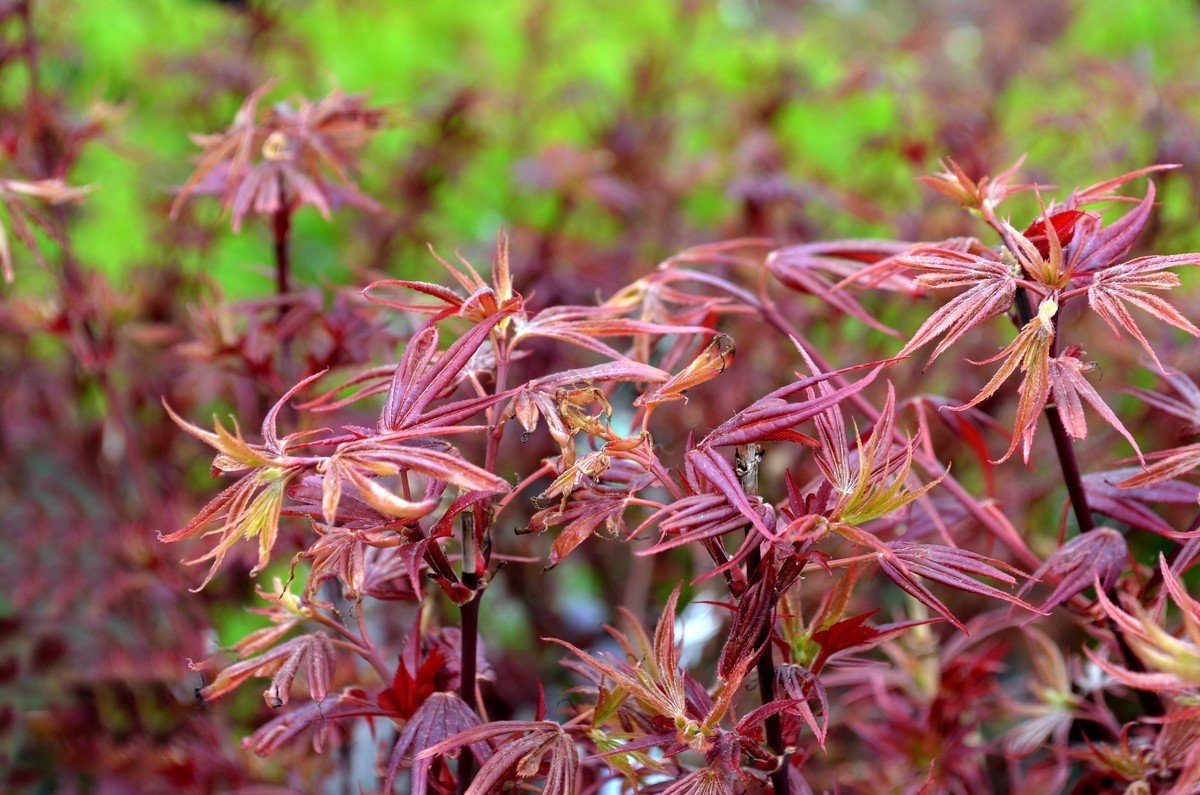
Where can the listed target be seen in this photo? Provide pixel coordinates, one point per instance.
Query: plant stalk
(748, 459)
(472, 558)
(1072, 475)
(281, 228)
(469, 644)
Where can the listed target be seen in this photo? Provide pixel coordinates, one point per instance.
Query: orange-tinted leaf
(1030, 352)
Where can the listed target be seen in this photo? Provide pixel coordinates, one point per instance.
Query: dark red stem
(470, 642)
(1070, 470)
(748, 459)
(282, 228)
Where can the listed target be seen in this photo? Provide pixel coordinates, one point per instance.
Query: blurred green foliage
(552, 73)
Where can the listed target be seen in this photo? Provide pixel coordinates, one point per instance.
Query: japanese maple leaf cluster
(819, 480)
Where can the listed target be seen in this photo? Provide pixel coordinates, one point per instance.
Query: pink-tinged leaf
(801, 686)
(446, 465)
(651, 672)
(441, 716)
(283, 621)
(420, 378)
(522, 748)
(1071, 389)
(662, 739)
(1171, 660)
(991, 286)
(418, 355)
(233, 452)
(385, 501)
(818, 268)
(585, 326)
(367, 383)
(1185, 407)
(750, 631)
(1105, 191)
(446, 419)
(666, 652)
(954, 183)
(609, 372)
(248, 509)
(854, 635)
(1030, 353)
(692, 519)
(232, 495)
(1117, 287)
(307, 497)
(322, 717)
(769, 710)
(1154, 682)
(772, 414)
(1099, 554)
(448, 298)
(1031, 735)
(950, 566)
(1099, 247)
(875, 482)
(239, 141)
(718, 471)
(1129, 505)
(340, 554)
(1168, 465)
(705, 781)
(1175, 588)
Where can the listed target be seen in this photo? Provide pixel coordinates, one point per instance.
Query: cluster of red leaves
(384, 503)
(794, 490)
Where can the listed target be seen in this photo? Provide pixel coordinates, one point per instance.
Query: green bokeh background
(580, 70)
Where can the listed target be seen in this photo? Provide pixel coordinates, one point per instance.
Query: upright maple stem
(45, 143)
(470, 642)
(1070, 469)
(281, 227)
(747, 462)
(470, 570)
